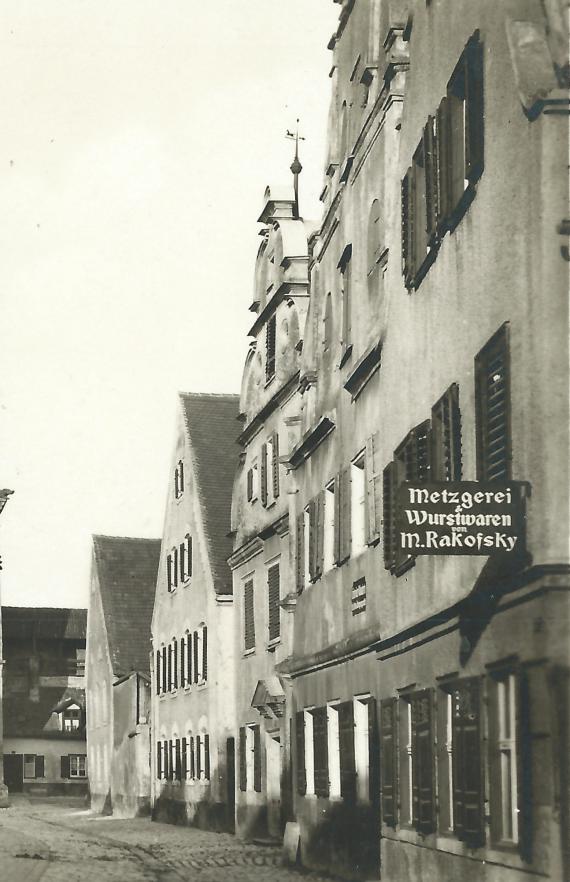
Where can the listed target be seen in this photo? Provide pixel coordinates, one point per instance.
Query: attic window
(179, 479)
(71, 719)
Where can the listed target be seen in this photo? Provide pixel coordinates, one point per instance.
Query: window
(345, 266)
(328, 525)
(417, 762)
(309, 754)
(263, 489)
(301, 775)
(445, 769)
(273, 599)
(376, 249)
(169, 574)
(274, 465)
(346, 751)
(504, 760)
(492, 408)
(342, 516)
(270, 349)
(34, 766)
(270, 470)
(333, 750)
(446, 437)
(77, 765)
(179, 479)
(164, 671)
(249, 615)
(250, 758)
(172, 569)
(466, 778)
(358, 504)
(71, 719)
(185, 557)
(320, 752)
(307, 536)
(406, 781)
(388, 757)
(189, 659)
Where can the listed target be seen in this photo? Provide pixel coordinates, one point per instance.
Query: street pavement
(54, 841)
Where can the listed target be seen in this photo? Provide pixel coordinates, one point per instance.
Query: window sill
(247, 652)
(269, 381)
(271, 645)
(345, 354)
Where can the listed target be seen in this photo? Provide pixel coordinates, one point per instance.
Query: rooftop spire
(296, 166)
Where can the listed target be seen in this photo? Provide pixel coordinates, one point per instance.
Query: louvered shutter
(175, 664)
(178, 761)
(345, 515)
(205, 652)
(492, 409)
(164, 671)
(40, 767)
(423, 766)
(337, 520)
(169, 571)
(170, 760)
(189, 555)
(207, 757)
(346, 751)
(169, 667)
(312, 539)
(320, 751)
(256, 759)
(263, 474)
(300, 552)
(446, 437)
(300, 750)
(165, 760)
(408, 228)
(183, 661)
(198, 757)
(373, 754)
(275, 464)
(468, 787)
(389, 484)
(249, 615)
(443, 164)
(249, 480)
(196, 648)
(242, 759)
(319, 511)
(373, 489)
(182, 561)
(175, 566)
(475, 121)
(456, 112)
(157, 672)
(189, 654)
(273, 587)
(64, 772)
(192, 758)
(184, 756)
(431, 172)
(159, 759)
(389, 760)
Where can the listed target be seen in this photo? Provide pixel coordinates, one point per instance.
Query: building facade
(260, 517)
(193, 749)
(430, 691)
(123, 578)
(44, 700)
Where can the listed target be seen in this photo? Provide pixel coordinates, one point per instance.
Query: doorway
(14, 772)
(273, 760)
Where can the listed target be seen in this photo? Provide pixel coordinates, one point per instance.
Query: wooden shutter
(413, 453)
(270, 348)
(312, 539)
(182, 558)
(189, 655)
(40, 767)
(164, 671)
(159, 759)
(446, 437)
(319, 512)
(443, 158)
(169, 571)
(183, 661)
(475, 112)
(249, 485)
(263, 474)
(192, 758)
(165, 760)
(256, 759)
(273, 590)
(337, 520)
(205, 652)
(188, 555)
(175, 566)
(207, 757)
(423, 765)
(175, 663)
(275, 464)
(346, 751)
(456, 115)
(196, 658)
(181, 476)
(300, 552)
(249, 615)
(389, 485)
(184, 755)
(373, 754)
(525, 763)
(468, 787)
(300, 750)
(408, 228)
(373, 489)
(198, 757)
(431, 182)
(170, 760)
(389, 761)
(320, 751)
(64, 773)
(178, 765)
(169, 667)
(345, 515)
(157, 672)
(242, 759)
(492, 409)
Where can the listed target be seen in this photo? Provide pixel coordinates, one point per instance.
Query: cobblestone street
(58, 842)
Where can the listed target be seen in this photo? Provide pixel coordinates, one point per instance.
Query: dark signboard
(461, 517)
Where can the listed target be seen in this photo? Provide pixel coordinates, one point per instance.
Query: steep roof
(26, 718)
(211, 421)
(18, 622)
(127, 570)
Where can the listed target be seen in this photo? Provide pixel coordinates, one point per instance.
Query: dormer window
(71, 719)
(179, 479)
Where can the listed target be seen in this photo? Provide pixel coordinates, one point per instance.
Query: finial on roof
(296, 166)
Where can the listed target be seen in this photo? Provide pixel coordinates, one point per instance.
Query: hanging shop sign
(461, 517)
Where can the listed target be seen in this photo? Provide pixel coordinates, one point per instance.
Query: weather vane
(296, 166)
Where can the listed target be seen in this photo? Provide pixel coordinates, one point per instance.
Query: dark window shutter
(320, 751)
(169, 667)
(181, 476)
(249, 615)
(171, 769)
(273, 585)
(492, 409)
(373, 489)
(207, 757)
(189, 655)
(312, 513)
(456, 115)
(182, 559)
(408, 228)
(178, 761)
(175, 663)
(159, 759)
(443, 164)
(319, 514)
(431, 171)
(182, 661)
(165, 760)
(468, 788)
(164, 671)
(389, 515)
(475, 115)
(525, 765)
(373, 754)
(242, 759)
(196, 659)
(300, 553)
(446, 437)
(423, 766)
(300, 751)
(256, 759)
(157, 672)
(337, 520)
(275, 464)
(346, 751)
(249, 485)
(345, 515)
(188, 555)
(388, 761)
(65, 767)
(40, 767)
(175, 566)
(198, 757)
(169, 571)
(270, 348)
(184, 756)
(205, 652)
(263, 474)
(192, 758)
(413, 454)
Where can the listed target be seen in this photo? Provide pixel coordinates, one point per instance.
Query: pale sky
(138, 138)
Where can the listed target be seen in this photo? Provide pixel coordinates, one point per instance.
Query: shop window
(492, 408)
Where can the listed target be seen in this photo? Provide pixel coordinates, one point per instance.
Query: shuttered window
(158, 671)
(300, 751)
(413, 454)
(169, 581)
(40, 766)
(249, 485)
(446, 437)
(256, 759)
(164, 670)
(320, 751)
(174, 567)
(316, 537)
(171, 760)
(300, 552)
(468, 773)
(373, 754)
(373, 473)
(192, 758)
(165, 763)
(183, 661)
(275, 464)
(249, 615)
(388, 761)
(159, 759)
(207, 757)
(196, 653)
(346, 751)
(178, 760)
(273, 595)
(263, 474)
(423, 764)
(492, 408)
(204, 653)
(270, 349)
(389, 485)
(408, 217)
(184, 759)
(242, 759)
(186, 558)
(170, 667)
(189, 655)
(175, 664)
(342, 517)
(199, 759)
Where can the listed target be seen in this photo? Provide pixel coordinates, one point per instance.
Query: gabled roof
(211, 421)
(19, 622)
(26, 718)
(127, 570)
